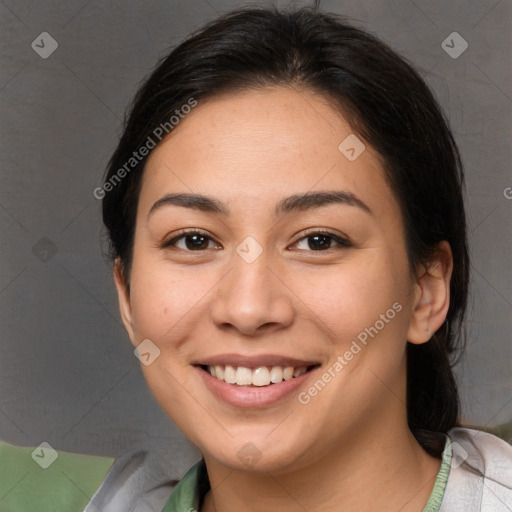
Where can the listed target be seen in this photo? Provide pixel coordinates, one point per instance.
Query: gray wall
(67, 371)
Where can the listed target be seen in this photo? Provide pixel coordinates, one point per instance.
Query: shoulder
(41, 478)
(480, 478)
(141, 480)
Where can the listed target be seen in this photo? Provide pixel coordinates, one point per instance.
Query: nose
(251, 299)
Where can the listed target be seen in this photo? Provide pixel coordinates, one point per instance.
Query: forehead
(253, 147)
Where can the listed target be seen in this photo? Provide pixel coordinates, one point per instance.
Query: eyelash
(342, 242)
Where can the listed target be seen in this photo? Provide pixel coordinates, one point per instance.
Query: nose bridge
(251, 296)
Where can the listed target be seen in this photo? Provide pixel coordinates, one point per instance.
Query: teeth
(230, 374)
(261, 376)
(219, 372)
(243, 376)
(276, 374)
(299, 371)
(288, 373)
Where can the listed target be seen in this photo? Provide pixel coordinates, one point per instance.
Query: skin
(349, 448)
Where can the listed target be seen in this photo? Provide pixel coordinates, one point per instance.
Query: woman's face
(279, 277)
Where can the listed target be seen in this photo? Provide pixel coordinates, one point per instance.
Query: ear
(431, 295)
(123, 296)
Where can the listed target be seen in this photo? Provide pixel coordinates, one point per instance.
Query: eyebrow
(293, 203)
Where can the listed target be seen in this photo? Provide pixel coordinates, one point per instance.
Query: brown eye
(191, 241)
(323, 241)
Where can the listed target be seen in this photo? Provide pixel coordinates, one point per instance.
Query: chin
(257, 454)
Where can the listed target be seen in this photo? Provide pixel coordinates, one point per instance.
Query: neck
(382, 467)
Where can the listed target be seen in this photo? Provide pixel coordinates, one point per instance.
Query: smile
(255, 380)
(259, 376)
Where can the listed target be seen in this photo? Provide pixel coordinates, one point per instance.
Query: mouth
(255, 381)
(257, 376)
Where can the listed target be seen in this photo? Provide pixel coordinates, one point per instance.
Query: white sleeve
(480, 478)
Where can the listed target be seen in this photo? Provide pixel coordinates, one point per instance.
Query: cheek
(350, 297)
(165, 299)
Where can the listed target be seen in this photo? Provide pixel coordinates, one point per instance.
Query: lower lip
(253, 396)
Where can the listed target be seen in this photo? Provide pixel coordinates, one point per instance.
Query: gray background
(67, 371)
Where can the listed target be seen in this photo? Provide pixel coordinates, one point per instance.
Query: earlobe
(123, 297)
(431, 296)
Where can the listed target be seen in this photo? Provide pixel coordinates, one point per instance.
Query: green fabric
(66, 485)
(186, 496)
(436, 496)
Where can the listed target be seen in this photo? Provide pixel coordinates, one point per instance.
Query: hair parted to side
(385, 101)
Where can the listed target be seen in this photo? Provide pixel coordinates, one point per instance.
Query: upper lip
(254, 361)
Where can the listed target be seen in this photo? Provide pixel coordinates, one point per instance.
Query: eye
(190, 241)
(322, 241)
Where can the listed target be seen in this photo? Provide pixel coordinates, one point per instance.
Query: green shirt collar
(189, 491)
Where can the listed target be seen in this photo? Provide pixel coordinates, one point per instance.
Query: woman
(288, 232)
